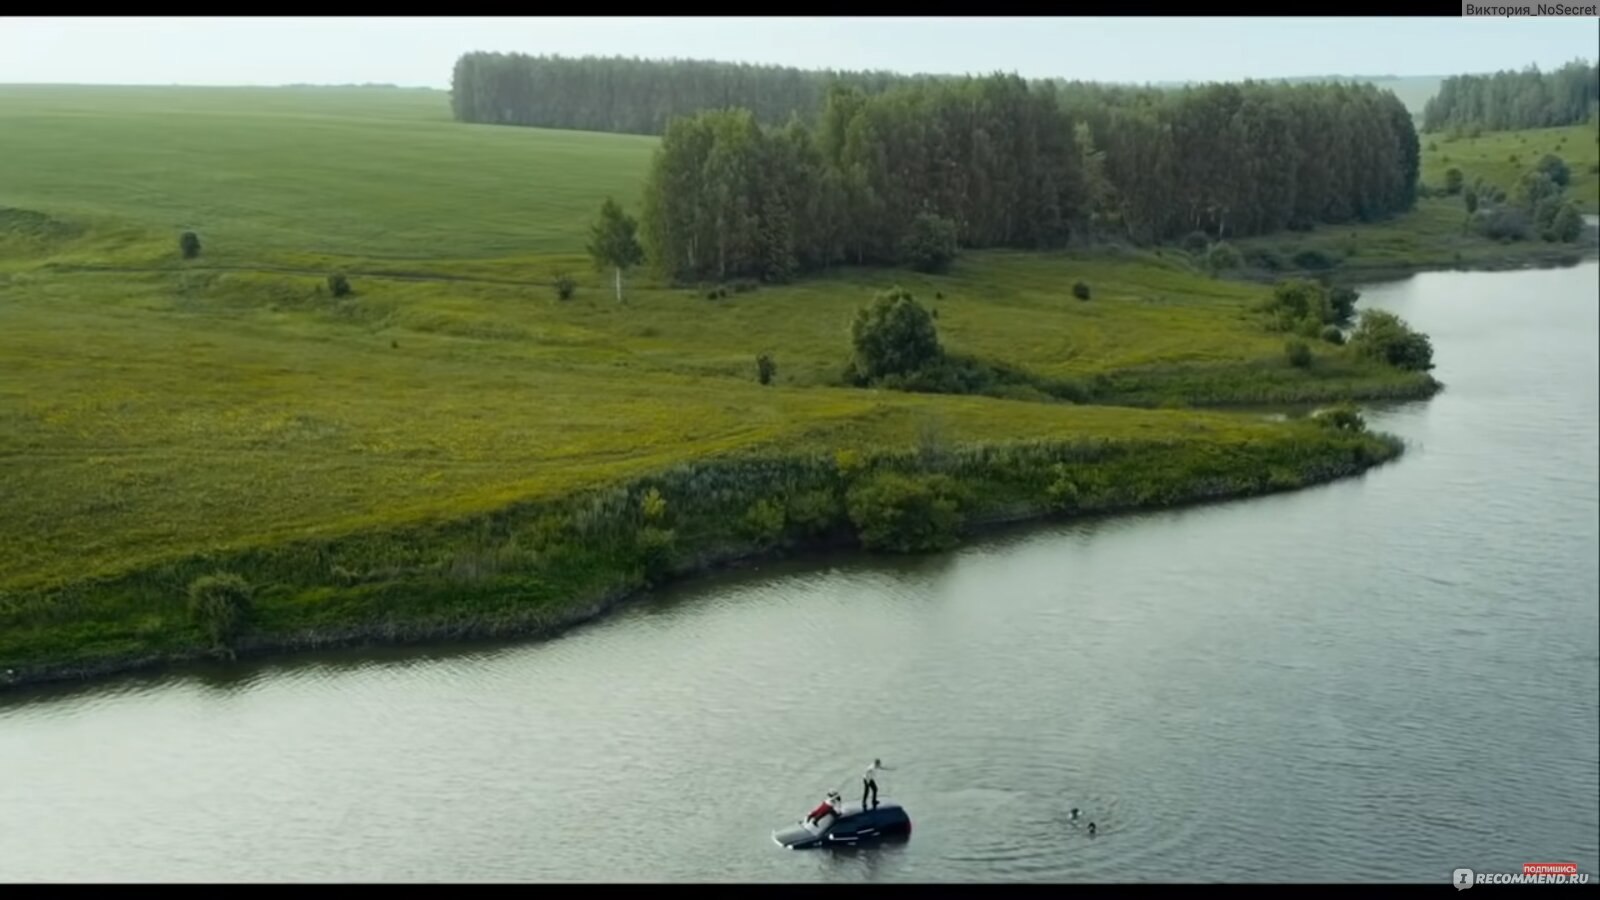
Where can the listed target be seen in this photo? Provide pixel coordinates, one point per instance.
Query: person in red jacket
(829, 806)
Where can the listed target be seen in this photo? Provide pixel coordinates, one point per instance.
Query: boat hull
(855, 827)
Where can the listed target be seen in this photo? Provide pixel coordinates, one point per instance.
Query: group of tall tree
(1004, 163)
(636, 96)
(1506, 101)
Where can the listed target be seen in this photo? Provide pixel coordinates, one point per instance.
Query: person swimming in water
(1091, 829)
(1074, 814)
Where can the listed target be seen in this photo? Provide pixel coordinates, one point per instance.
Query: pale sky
(421, 51)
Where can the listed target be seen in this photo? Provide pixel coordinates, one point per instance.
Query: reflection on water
(1381, 679)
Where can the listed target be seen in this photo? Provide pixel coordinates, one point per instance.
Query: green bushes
(893, 335)
(189, 244)
(1298, 353)
(220, 605)
(1305, 306)
(339, 285)
(1081, 290)
(566, 287)
(1343, 417)
(1222, 257)
(766, 369)
(812, 513)
(764, 522)
(518, 568)
(1332, 334)
(1555, 168)
(930, 245)
(1385, 336)
(1565, 225)
(907, 514)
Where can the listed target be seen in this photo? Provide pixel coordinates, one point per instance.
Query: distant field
(1502, 157)
(151, 407)
(349, 172)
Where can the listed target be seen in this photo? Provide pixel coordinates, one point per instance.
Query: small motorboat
(852, 826)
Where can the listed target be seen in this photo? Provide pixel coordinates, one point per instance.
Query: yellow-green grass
(143, 421)
(374, 173)
(1501, 157)
(152, 408)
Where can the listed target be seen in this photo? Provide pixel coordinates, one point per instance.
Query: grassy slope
(152, 409)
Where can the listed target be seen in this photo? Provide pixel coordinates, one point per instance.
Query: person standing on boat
(869, 783)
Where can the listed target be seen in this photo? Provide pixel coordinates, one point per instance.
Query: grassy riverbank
(417, 458)
(534, 566)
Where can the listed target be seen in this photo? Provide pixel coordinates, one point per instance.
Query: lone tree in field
(893, 335)
(189, 244)
(614, 241)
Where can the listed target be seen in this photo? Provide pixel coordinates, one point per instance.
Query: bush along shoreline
(537, 568)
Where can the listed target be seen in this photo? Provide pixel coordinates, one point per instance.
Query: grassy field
(1433, 236)
(1501, 157)
(155, 411)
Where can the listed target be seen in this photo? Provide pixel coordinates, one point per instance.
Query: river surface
(1382, 679)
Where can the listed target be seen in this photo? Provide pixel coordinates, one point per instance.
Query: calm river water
(1378, 680)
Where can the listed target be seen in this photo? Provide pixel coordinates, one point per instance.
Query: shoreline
(546, 624)
(543, 626)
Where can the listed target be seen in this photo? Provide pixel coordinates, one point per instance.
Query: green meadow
(162, 417)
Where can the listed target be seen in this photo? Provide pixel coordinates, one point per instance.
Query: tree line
(894, 177)
(635, 96)
(1507, 101)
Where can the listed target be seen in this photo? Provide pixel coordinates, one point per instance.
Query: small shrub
(848, 462)
(1567, 224)
(930, 245)
(763, 522)
(1063, 492)
(1299, 354)
(907, 514)
(766, 369)
(1555, 168)
(189, 244)
(1453, 180)
(653, 506)
(1222, 257)
(1502, 223)
(810, 513)
(1332, 334)
(655, 550)
(1470, 198)
(1425, 191)
(893, 335)
(1385, 336)
(1343, 417)
(1081, 290)
(1195, 242)
(338, 285)
(220, 604)
(566, 287)
(1342, 304)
